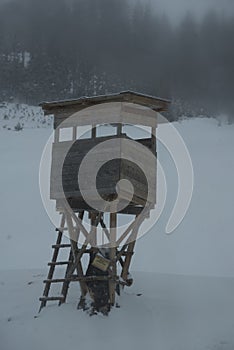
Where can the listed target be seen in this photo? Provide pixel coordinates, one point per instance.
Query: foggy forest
(60, 49)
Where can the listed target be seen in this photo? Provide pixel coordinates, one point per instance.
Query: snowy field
(183, 295)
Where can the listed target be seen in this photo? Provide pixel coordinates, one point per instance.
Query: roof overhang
(155, 103)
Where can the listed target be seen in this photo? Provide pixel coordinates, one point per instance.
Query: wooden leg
(129, 253)
(74, 249)
(112, 283)
(127, 261)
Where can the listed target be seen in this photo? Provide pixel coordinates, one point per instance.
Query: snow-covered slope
(16, 116)
(177, 309)
(173, 313)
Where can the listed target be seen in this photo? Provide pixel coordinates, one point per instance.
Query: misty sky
(177, 8)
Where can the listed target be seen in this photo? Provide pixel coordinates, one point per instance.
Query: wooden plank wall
(108, 175)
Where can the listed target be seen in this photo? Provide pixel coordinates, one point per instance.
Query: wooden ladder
(52, 265)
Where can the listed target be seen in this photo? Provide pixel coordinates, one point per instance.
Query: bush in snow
(18, 127)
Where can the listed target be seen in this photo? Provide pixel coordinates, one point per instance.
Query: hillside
(183, 295)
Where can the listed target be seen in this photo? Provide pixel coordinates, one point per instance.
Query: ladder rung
(58, 280)
(75, 278)
(61, 246)
(51, 298)
(59, 263)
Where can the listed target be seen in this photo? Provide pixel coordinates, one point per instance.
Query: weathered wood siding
(64, 176)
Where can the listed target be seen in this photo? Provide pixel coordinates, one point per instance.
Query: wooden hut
(117, 157)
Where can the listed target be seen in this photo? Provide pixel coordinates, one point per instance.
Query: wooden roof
(155, 103)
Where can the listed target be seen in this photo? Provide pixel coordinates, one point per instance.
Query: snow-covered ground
(173, 313)
(186, 280)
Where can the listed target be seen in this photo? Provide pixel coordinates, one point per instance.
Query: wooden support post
(93, 219)
(129, 253)
(56, 135)
(105, 229)
(78, 265)
(153, 140)
(119, 129)
(127, 261)
(84, 246)
(74, 133)
(94, 132)
(112, 282)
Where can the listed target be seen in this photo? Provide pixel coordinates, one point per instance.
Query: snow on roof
(156, 103)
